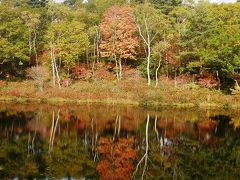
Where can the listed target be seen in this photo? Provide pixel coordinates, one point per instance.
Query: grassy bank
(127, 91)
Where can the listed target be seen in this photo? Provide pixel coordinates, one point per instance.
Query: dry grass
(132, 90)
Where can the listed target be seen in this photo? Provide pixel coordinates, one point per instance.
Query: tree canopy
(191, 38)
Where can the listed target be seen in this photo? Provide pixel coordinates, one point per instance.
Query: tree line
(172, 38)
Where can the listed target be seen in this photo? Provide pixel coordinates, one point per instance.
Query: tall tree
(119, 38)
(148, 21)
(32, 21)
(67, 39)
(13, 42)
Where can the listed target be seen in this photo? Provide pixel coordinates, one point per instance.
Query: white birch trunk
(120, 68)
(159, 65)
(52, 64)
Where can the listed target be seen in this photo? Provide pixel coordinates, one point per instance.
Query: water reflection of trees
(61, 142)
(189, 150)
(116, 158)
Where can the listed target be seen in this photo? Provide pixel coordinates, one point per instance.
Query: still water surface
(118, 142)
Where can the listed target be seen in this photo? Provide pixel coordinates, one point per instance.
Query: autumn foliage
(119, 39)
(119, 33)
(117, 158)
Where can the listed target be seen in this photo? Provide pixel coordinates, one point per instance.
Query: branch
(140, 32)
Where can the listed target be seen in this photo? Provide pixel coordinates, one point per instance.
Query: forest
(77, 49)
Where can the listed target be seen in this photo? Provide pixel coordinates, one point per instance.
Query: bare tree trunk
(175, 77)
(120, 68)
(56, 69)
(147, 41)
(30, 42)
(94, 54)
(148, 65)
(34, 47)
(115, 57)
(97, 43)
(159, 65)
(52, 64)
(219, 82)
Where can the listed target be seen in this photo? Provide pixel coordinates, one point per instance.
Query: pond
(112, 142)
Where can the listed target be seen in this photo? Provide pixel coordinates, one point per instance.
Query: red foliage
(172, 128)
(81, 72)
(206, 131)
(117, 158)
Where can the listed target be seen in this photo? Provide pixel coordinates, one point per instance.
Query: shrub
(81, 72)
(39, 74)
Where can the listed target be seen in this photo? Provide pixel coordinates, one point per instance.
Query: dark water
(118, 142)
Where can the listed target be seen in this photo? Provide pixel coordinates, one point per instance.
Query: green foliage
(67, 34)
(68, 158)
(198, 37)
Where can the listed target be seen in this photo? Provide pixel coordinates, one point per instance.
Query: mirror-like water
(118, 142)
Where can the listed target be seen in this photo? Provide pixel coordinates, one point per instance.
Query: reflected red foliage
(172, 128)
(207, 126)
(206, 131)
(117, 158)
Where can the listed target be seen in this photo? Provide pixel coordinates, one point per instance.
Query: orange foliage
(102, 71)
(117, 158)
(119, 33)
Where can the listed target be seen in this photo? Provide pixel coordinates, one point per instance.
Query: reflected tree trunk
(53, 130)
(145, 156)
(156, 130)
(120, 68)
(117, 127)
(29, 141)
(54, 66)
(94, 139)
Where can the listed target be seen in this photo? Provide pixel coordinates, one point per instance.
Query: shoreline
(62, 101)
(120, 93)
